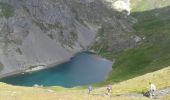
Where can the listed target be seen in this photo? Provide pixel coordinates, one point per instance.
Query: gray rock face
(45, 32)
(39, 32)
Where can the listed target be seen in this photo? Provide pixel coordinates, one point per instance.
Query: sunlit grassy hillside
(145, 5)
(153, 53)
(135, 85)
(133, 68)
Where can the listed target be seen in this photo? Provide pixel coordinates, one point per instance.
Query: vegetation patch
(145, 5)
(6, 10)
(1, 66)
(153, 54)
(69, 39)
(47, 27)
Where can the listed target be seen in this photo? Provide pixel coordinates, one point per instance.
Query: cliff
(47, 32)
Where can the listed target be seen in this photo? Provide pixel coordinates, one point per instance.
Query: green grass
(141, 84)
(145, 5)
(135, 85)
(1, 66)
(136, 62)
(140, 5)
(47, 27)
(151, 55)
(6, 10)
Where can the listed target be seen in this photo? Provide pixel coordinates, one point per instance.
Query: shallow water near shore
(83, 69)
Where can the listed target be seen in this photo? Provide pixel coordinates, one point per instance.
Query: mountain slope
(152, 51)
(121, 91)
(48, 32)
(139, 46)
(37, 32)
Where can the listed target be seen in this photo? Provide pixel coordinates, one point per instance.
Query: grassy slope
(6, 10)
(145, 5)
(130, 68)
(154, 52)
(137, 84)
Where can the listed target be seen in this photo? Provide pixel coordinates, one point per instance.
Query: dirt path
(159, 94)
(162, 93)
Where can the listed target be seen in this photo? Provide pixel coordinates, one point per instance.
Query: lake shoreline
(82, 69)
(45, 67)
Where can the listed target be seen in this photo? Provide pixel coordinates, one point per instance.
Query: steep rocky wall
(44, 32)
(39, 32)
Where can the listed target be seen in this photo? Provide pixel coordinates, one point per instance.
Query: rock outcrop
(45, 32)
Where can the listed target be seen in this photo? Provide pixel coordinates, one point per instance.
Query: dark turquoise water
(83, 69)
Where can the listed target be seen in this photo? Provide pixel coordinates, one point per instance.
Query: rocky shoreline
(39, 67)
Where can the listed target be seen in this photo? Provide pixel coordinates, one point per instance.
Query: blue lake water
(83, 69)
